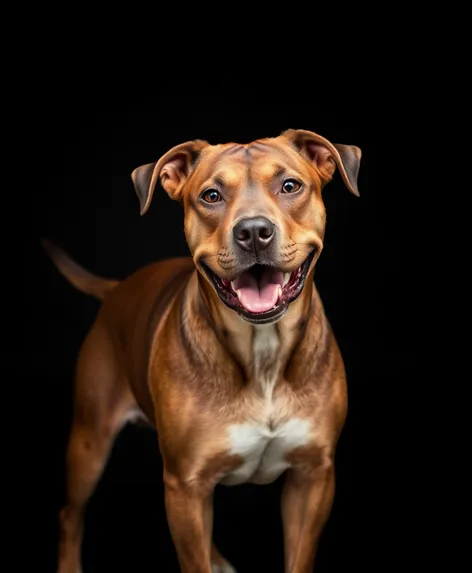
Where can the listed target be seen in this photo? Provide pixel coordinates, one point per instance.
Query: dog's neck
(261, 352)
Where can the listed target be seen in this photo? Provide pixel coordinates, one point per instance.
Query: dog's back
(131, 311)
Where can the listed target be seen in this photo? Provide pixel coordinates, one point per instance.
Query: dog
(227, 353)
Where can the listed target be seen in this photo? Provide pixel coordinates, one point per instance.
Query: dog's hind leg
(102, 401)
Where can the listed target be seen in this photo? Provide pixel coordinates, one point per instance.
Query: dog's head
(254, 214)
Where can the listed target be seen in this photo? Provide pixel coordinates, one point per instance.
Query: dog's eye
(291, 186)
(211, 196)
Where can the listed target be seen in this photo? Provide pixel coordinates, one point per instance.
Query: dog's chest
(263, 450)
(264, 442)
(265, 358)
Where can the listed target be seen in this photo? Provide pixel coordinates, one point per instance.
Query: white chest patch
(263, 450)
(265, 353)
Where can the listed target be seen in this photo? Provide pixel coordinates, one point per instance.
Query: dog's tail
(77, 275)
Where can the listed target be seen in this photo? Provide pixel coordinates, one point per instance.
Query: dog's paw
(223, 568)
(219, 563)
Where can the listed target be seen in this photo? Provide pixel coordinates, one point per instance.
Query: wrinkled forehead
(232, 164)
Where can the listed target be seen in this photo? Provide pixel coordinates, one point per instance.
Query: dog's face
(254, 214)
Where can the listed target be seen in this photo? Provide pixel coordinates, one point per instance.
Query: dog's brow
(278, 171)
(223, 179)
(219, 180)
(271, 171)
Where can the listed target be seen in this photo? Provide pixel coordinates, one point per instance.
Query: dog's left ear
(327, 156)
(172, 170)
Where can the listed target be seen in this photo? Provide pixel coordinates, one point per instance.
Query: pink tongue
(259, 295)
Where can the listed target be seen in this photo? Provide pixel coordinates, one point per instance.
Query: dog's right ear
(172, 170)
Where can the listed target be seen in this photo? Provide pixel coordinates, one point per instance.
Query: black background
(84, 200)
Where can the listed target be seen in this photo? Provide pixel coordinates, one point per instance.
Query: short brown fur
(165, 345)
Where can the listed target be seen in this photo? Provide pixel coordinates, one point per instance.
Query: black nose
(254, 234)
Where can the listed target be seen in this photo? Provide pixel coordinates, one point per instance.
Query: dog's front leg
(190, 516)
(306, 504)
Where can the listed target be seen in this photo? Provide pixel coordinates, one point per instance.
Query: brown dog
(228, 353)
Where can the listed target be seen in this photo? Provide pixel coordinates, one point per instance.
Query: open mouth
(261, 294)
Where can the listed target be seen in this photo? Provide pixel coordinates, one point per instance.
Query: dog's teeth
(232, 286)
(286, 278)
(279, 293)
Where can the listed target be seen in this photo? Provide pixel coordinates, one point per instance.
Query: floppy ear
(326, 156)
(172, 170)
